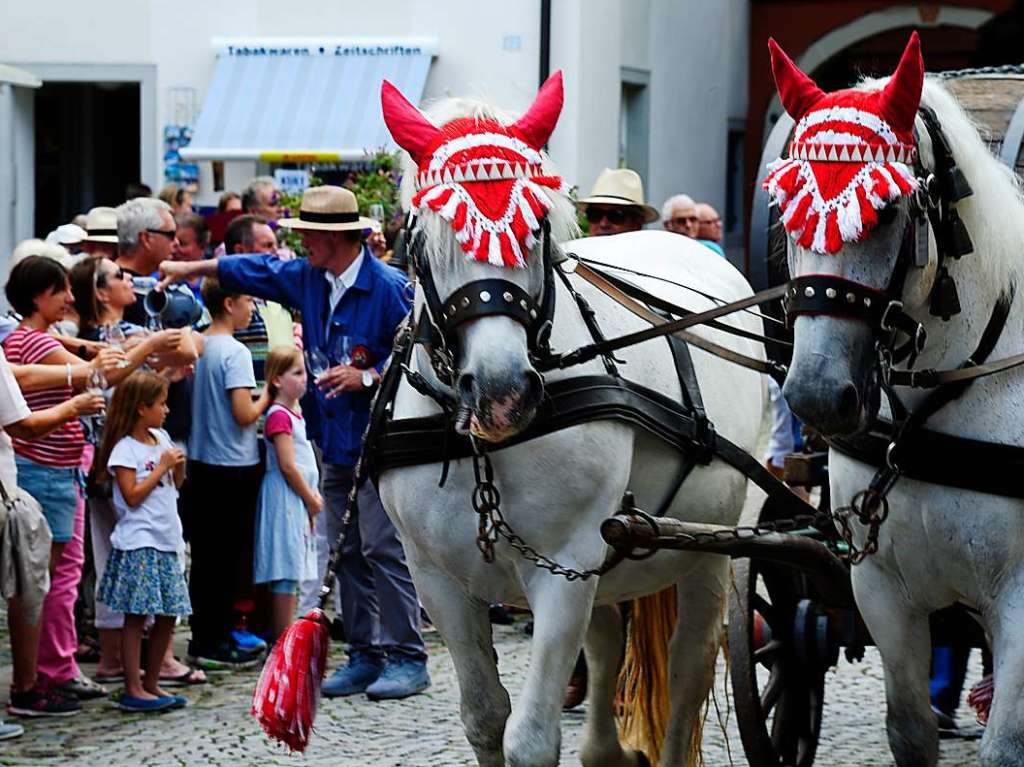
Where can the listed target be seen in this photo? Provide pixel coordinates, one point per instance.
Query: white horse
(940, 545)
(556, 491)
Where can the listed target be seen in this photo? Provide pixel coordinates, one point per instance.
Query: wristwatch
(367, 380)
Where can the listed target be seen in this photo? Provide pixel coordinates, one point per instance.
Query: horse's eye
(888, 214)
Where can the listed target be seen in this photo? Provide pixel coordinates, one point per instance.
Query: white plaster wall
(484, 49)
(586, 42)
(698, 82)
(695, 51)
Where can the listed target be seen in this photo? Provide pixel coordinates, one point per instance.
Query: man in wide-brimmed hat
(616, 203)
(100, 232)
(351, 304)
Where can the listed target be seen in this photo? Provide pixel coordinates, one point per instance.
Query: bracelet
(67, 366)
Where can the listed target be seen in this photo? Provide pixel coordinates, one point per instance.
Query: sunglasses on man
(170, 234)
(614, 216)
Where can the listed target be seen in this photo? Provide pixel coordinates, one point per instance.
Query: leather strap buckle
(884, 321)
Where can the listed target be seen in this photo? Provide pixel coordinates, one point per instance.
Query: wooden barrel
(993, 97)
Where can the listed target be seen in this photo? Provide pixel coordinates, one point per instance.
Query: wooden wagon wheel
(778, 698)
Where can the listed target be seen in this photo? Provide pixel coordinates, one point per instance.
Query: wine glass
(97, 382)
(316, 362)
(342, 350)
(114, 335)
(376, 212)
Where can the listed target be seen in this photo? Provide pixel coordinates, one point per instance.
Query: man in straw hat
(345, 295)
(100, 233)
(616, 203)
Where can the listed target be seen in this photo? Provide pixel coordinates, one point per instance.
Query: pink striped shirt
(63, 447)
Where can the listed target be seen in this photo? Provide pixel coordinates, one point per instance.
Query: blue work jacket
(368, 313)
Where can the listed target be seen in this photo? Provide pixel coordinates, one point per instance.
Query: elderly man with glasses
(616, 203)
(679, 215)
(146, 235)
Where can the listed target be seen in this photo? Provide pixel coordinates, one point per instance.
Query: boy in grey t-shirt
(225, 473)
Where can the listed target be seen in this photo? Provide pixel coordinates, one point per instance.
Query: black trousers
(222, 502)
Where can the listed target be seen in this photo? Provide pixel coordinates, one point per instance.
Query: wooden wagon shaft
(830, 575)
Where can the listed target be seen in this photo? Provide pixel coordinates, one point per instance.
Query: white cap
(66, 234)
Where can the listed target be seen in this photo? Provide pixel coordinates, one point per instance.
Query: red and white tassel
(286, 697)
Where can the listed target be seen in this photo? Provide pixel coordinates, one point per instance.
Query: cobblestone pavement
(425, 730)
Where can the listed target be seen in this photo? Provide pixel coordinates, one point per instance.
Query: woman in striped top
(49, 468)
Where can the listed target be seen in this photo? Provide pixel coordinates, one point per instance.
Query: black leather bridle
(882, 309)
(437, 326)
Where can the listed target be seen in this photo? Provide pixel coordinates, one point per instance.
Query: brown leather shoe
(575, 692)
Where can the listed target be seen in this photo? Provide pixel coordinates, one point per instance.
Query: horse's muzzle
(495, 410)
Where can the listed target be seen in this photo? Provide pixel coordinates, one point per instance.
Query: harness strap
(973, 367)
(662, 328)
(942, 459)
(590, 320)
(667, 308)
(570, 402)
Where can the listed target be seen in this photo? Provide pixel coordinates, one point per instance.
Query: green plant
(378, 185)
(581, 219)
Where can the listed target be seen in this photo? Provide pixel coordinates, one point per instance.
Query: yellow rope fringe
(643, 695)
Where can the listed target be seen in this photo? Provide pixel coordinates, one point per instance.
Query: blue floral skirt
(144, 582)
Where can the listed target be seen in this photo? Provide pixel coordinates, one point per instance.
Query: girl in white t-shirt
(143, 575)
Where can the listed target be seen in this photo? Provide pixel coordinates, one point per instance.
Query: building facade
(680, 90)
(643, 86)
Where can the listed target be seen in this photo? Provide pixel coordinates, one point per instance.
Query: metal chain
(871, 508)
(491, 524)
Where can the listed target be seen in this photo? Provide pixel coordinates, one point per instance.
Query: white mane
(440, 238)
(994, 214)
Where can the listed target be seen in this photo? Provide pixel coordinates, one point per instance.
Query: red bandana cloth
(852, 152)
(482, 177)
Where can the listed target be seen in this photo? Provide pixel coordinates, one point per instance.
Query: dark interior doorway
(87, 148)
(944, 48)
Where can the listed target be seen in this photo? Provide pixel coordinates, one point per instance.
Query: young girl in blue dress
(285, 550)
(143, 575)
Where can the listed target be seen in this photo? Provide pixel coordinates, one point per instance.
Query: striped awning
(304, 99)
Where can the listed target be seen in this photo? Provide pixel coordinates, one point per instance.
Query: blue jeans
(54, 488)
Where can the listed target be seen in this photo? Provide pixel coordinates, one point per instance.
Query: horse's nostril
(466, 386)
(849, 401)
(534, 386)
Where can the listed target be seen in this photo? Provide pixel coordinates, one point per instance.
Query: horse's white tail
(643, 691)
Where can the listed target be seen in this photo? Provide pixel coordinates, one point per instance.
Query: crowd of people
(198, 471)
(616, 204)
(180, 468)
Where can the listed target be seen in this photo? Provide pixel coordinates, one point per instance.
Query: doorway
(86, 147)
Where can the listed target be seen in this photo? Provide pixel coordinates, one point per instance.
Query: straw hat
(328, 208)
(101, 225)
(621, 187)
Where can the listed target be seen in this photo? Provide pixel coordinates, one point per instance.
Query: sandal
(188, 678)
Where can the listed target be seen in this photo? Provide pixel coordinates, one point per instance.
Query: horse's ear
(540, 119)
(409, 128)
(797, 91)
(902, 95)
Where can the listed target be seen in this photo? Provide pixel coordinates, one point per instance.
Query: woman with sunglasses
(103, 291)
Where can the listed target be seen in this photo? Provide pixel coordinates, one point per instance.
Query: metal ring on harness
(652, 523)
